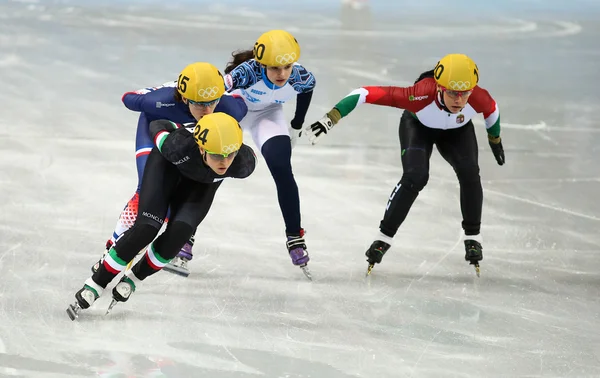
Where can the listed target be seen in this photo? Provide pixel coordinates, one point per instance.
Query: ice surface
(67, 167)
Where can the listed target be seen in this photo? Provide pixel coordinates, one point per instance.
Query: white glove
(317, 129)
(294, 135)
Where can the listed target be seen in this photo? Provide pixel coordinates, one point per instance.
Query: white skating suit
(265, 117)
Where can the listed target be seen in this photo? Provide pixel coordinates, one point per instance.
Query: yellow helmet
(201, 82)
(218, 134)
(456, 72)
(276, 48)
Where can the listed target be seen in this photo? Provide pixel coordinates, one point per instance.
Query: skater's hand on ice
(497, 149)
(317, 129)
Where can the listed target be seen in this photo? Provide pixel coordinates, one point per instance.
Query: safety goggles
(221, 157)
(456, 94)
(209, 104)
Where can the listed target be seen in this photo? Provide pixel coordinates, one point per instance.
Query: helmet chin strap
(440, 97)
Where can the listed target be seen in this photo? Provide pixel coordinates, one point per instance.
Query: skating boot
(473, 253)
(122, 291)
(96, 266)
(297, 248)
(375, 253)
(179, 265)
(84, 299)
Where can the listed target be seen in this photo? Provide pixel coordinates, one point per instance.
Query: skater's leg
(191, 204)
(271, 135)
(159, 180)
(416, 144)
(459, 149)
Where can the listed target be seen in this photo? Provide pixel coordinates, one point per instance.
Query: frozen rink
(67, 168)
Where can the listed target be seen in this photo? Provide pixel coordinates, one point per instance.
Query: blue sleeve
(302, 80)
(232, 105)
(243, 76)
(150, 99)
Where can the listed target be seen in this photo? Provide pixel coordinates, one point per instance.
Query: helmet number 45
(183, 83)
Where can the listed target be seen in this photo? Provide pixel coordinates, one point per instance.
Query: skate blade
(477, 271)
(306, 272)
(129, 264)
(369, 269)
(112, 304)
(176, 270)
(73, 311)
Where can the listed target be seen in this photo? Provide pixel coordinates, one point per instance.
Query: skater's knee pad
(172, 240)
(415, 180)
(142, 233)
(277, 152)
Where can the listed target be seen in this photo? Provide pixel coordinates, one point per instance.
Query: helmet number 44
(183, 83)
(200, 135)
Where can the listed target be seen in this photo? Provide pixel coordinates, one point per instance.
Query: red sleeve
(413, 98)
(482, 102)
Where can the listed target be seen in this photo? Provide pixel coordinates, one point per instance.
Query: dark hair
(177, 96)
(425, 75)
(239, 57)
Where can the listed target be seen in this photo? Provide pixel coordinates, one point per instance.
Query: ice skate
(375, 254)
(297, 249)
(473, 254)
(179, 265)
(121, 292)
(84, 299)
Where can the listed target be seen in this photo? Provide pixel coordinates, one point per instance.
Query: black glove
(317, 129)
(497, 149)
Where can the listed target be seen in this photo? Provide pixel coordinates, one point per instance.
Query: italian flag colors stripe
(113, 263)
(155, 260)
(160, 138)
(492, 121)
(351, 101)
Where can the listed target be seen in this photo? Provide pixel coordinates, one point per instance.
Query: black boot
(473, 251)
(376, 251)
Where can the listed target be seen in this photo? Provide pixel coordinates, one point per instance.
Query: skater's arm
(484, 103)
(243, 76)
(303, 82)
(233, 105)
(302, 104)
(160, 130)
(150, 100)
(244, 163)
(412, 98)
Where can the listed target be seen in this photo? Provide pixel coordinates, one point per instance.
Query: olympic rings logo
(285, 59)
(459, 85)
(208, 92)
(230, 148)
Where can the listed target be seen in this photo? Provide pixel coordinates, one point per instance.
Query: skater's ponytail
(425, 75)
(239, 57)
